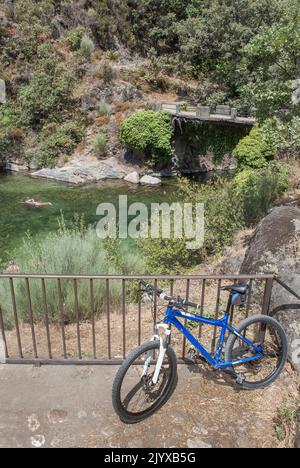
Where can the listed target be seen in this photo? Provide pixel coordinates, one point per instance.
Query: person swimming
(36, 204)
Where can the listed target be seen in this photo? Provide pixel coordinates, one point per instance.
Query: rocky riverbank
(81, 170)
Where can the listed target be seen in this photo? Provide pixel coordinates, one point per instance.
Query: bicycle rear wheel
(267, 333)
(134, 396)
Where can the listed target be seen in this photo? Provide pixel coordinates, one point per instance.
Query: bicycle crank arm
(238, 377)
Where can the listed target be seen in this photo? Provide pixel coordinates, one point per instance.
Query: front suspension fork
(163, 345)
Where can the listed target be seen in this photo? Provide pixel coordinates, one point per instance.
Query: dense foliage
(220, 140)
(240, 52)
(229, 205)
(149, 133)
(254, 151)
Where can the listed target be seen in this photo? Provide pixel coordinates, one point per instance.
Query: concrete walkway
(70, 406)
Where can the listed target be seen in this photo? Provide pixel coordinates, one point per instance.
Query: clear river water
(17, 219)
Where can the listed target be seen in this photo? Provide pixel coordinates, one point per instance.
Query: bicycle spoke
(264, 336)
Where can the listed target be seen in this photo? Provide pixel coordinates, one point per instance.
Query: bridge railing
(222, 113)
(58, 319)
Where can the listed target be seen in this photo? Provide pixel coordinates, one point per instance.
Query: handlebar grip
(149, 286)
(143, 283)
(191, 304)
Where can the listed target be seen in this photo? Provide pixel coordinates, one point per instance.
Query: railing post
(233, 113)
(203, 112)
(3, 334)
(157, 106)
(267, 296)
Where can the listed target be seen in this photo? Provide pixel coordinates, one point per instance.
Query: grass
(87, 47)
(69, 252)
(286, 417)
(104, 109)
(99, 144)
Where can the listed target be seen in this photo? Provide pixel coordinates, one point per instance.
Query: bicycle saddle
(238, 288)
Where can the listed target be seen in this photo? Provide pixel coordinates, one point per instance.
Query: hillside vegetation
(75, 69)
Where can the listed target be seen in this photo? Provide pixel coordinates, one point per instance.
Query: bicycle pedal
(240, 379)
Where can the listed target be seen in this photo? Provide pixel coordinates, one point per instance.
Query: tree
(214, 34)
(272, 63)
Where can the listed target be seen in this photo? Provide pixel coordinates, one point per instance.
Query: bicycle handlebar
(179, 302)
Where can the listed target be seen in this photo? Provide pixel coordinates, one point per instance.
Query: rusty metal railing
(97, 319)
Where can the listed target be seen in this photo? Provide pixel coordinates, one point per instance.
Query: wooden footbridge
(222, 115)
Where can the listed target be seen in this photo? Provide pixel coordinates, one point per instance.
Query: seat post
(229, 302)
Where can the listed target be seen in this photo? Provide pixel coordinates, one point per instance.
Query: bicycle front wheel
(264, 332)
(134, 395)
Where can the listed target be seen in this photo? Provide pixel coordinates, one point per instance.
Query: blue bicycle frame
(172, 316)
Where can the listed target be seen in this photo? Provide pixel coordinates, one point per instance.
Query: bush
(87, 47)
(284, 135)
(149, 133)
(255, 191)
(11, 132)
(168, 256)
(74, 38)
(254, 151)
(58, 140)
(104, 71)
(228, 206)
(104, 109)
(46, 95)
(70, 251)
(99, 144)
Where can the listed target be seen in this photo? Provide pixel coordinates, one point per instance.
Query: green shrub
(58, 140)
(156, 82)
(74, 38)
(149, 133)
(45, 96)
(99, 144)
(10, 127)
(87, 47)
(228, 206)
(70, 251)
(254, 151)
(104, 108)
(284, 135)
(104, 71)
(255, 191)
(167, 256)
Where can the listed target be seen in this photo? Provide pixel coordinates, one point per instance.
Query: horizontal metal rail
(135, 277)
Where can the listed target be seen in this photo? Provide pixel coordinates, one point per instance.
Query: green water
(16, 219)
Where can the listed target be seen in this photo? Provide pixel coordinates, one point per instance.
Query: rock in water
(149, 180)
(275, 248)
(133, 178)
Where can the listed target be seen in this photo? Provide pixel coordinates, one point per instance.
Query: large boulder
(80, 171)
(275, 248)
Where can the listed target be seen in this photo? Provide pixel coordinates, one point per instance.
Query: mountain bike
(253, 354)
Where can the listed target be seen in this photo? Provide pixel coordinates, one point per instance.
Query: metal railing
(222, 114)
(92, 319)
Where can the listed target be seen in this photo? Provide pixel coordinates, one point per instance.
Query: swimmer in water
(36, 204)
